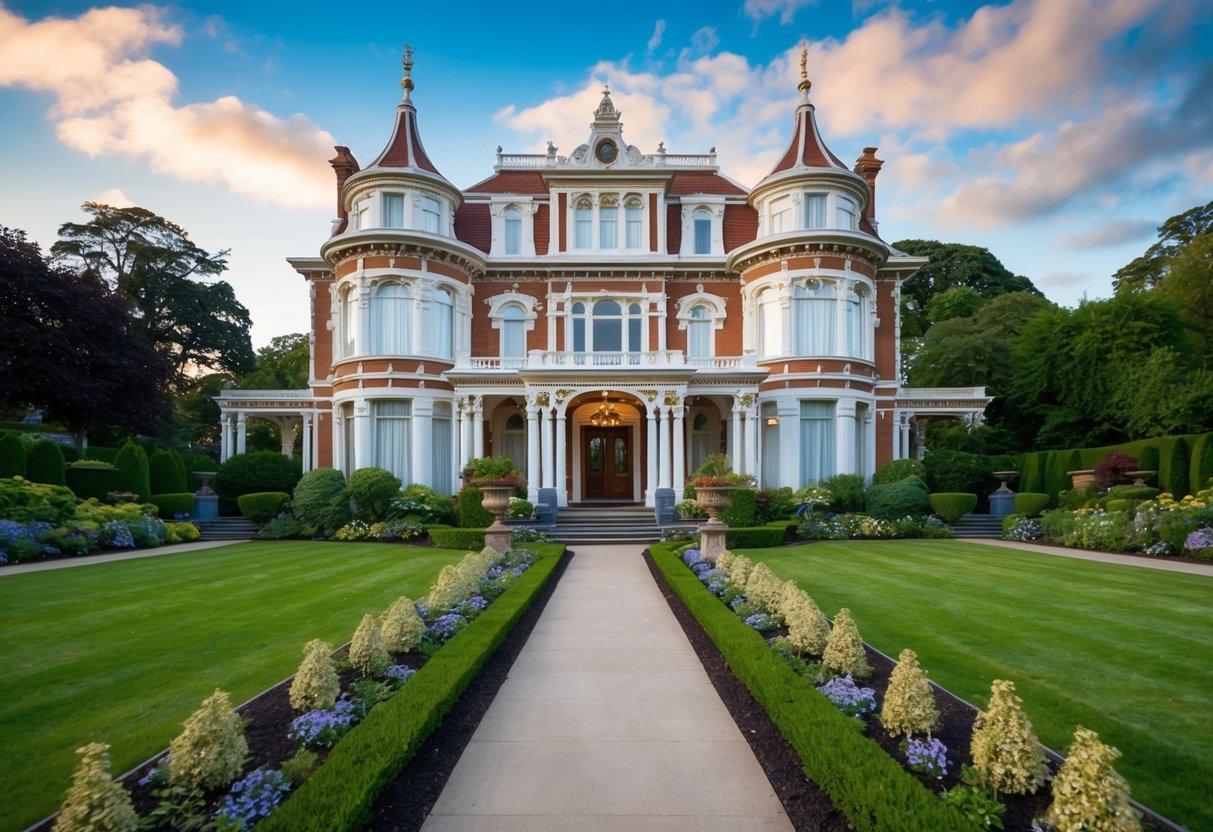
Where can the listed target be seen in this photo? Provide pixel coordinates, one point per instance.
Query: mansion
(606, 318)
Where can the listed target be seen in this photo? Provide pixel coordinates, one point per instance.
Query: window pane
(779, 215)
(608, 222)
(815, 211)
(634, 335)
(771, 321)
(817, 452)
(391, 428)
(444, 313)
(846, 213)
(699, 339)
(596, 448)
(703, 234)
(621, 455)
(429, 215)
(392, 320)
(513, 232)
(854, 328)
(814, 325)
(579, 335)
(583, 229)
(513, 339)
(635, 226)
(393, 211)
(608, 335)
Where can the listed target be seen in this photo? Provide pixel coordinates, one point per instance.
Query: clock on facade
(606, 151)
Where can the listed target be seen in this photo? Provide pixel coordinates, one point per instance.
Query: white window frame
(692, 206)
(498, 305)
(715, 306)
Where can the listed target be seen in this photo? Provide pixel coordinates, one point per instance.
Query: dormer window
(431, 213)
(634, 214)
(703, 231)
(815, 211)
(846, 213)
(513, 231)
(608, 223)
(393, 210)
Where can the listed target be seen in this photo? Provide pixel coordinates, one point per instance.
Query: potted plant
(497, 480)
(715, 482)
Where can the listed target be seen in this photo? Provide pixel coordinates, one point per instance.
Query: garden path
(1144, 562)
(607, 722)
(88, 560)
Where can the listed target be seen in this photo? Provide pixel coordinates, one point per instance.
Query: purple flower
(690, 556)
(323, 727)
(761, 622)
(929, 756)
(851, 699)
(445, 627)
(399, 671)
(253, 798)
(1199, 539)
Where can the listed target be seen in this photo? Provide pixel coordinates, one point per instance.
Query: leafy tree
(1153, 269)
(70, 348)
(957, 302)
(283, 365)
(952, 265)
(151, 263)
(1190, 283)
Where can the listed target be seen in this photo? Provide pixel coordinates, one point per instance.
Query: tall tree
(1190, 283)
(951, 265)
(1151, 269)
(152, 264)
(283, 365)
(69, 346)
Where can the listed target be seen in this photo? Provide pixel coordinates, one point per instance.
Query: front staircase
(982, 526)
(589, 523)
(227, 528)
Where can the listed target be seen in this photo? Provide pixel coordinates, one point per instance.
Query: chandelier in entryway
(606, 416)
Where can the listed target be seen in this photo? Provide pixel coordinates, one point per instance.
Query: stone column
(241, 432)
(905, 436)
(549, 460)
(844, 417)
(896, 434)
(742, 462)
(651, 455)
(465, 431)
(286, 432)
(307, 442)
(362, 337)
(478, 427)
(532, 450)
(225, 437)
(421, 442)
(680, 456)
(663, 449)
(753, 460)
(364, 451)
(562, 492)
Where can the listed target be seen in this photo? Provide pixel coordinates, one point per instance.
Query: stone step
(982, 526)
(227, 528)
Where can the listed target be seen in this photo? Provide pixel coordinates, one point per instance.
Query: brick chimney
(344, 165)
(867, 166)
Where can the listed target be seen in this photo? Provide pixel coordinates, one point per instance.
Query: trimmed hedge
(372, 490)
(171, 505)
(12, 456)
(1120, 505)
(263, 506)
(894, 500)
(1057, 464)
(102, 453)
(254, 472)
(1173, 466)
(1033, 474)
(741, 512)
(166, 473)
(957, 472)
(131, 462)
(952, 505)
(445, 537)
(93, 480)
(897, 470)
(1031, 503)
(471, 514)
(863, 781)
(1201, 467)
(45, 463)
(339, 796)
(756, 537)
(320, 502)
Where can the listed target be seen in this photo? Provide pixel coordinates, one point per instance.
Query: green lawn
(123, 652)
(1122, 650)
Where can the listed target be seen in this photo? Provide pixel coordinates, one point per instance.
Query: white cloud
(114, 197)
(112, 99)
(1063, 280)
(655, 39)
(758, 10)
(1110, 234)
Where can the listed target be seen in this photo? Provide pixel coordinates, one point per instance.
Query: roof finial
(805, 83)
(406, 83)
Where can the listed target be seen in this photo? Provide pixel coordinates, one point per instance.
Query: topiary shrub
(211, 749)
(1031, 503)
(45, 463)
(172, 505)
(741, 511)
(12, 456)
(131, 462)
(846, 492)
(808, 629)
(894, 500)
(957, 471)
(445, 537)
(96, 802)
(166, 473)
(372, 491)
(909, 703)
(320, 501)
(367, 653)
(102, 453)
(952, 506)
(1173, 467)
(1033, 475)
(23, 501)
(1200, 467)
(251, 473)
(401, 626)
(472, 515)
(843, 654)
(89, 478)
(897, 470)
(263, 506)
(764, 589)
(1089, 795)
(1057, 467)
(315, 684)
(1148, 457)
(1006, 753)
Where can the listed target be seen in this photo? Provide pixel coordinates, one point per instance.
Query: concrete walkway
(1205, 569)
(89, 560)
(607, 723)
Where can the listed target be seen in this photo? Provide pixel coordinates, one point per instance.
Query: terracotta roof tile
(474, 226)
(686, 182)
(511, 182)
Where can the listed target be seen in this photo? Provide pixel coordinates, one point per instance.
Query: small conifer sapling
(315, 685)
(96, 802)
(367, 653)
(844, 649)
(909, 704)
(401, 626)
(1088, 793)
(211, 749)
(1005, 751)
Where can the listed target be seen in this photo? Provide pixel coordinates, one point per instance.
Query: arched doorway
(608, 436)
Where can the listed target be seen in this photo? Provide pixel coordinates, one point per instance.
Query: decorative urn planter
(1140, 477)
(495, 501)
(714, 499)
(1081, 479)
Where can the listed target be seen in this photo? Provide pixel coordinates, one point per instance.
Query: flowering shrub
(813, 496)
(815, 528)
(1024, 529)
(851, 699)
(762, 622)
(863, 527)
(690, 510)
(445, 628)
(691, 556)
(400, 673)
(909, 704)
(843, 652)
(252, 798)
(1088, 794)
(1006, 753)
(522, 534)
(324, 726)
(115, 534)
(95, 802)
(520, 509)
(356, 530)
(315, 684)
(1200, 543)
(211, 749)
(472, 607)
(929, 756)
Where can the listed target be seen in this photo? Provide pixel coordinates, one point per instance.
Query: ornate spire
(606, 108)
(805, 83)
(406, 83)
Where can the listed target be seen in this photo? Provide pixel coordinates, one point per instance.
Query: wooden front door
(606, 459)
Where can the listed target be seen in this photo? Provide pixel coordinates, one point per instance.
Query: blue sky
(1057, 133)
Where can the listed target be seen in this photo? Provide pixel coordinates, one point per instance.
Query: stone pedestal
(1002, 502)
(711, 533)
(206, 501)
(498, 536)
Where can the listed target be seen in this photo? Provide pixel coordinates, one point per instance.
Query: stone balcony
(604, 361)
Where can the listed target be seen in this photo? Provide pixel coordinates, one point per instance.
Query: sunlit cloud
(1109, 234)
(110, 98)
(758, 10)
(114, 197)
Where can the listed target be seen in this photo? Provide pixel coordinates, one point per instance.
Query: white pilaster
(562, 492)
(478, 427)
(532, 451)
(308, 455)
(680, 456)
(905, 436)
(225, 437)
(844, 421)
(549, 466)
(362, 337)
(364, 452)
(465, 432)
(421, 440)
(663, 448)
(241, 432)
(651, 456)
(743, 463)
(896, 434)
(752, 458)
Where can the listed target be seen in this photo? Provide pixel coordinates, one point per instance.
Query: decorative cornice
(340, 250)
(760, 252)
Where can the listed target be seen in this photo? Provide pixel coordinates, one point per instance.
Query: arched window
(813, 312)
(391, 432)
(583, 223)
(608, 223)
(847, 214)
(703, 231)
(431, 214)
(393, 210)
(770, 324)
(634, 215)
(392, 319)
(607, 334)
(348, 317)
(699, 332)
(513, 231)
(513, 331)
(513, 441)
(444, 319)
(579, 327)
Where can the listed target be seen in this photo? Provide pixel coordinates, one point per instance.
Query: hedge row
(756, 537)
(171, 505)
(262, 506)
(862, 780)
(340, 795)
(447, 537)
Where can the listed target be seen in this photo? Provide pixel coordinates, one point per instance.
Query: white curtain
(444, 313)
(634, 224)
(393, 211)
(814, 323)
(392, 320)
(770, 324)
(392, 437)
(608, 227)
(513, 445)
(440, 471)
(854, 327)
(583, 222)
(817, 452)
(815, 211)
(699, 334)
(513, 231)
